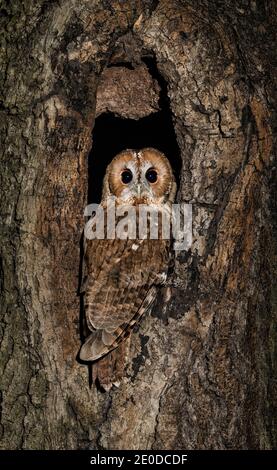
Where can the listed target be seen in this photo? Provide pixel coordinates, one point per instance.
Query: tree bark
(205, 360)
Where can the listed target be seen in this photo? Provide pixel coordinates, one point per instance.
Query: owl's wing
(123, 276)
(101, 342)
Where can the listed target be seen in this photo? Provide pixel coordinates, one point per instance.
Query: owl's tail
(109, 370)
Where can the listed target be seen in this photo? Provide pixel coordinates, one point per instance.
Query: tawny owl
(122, 275)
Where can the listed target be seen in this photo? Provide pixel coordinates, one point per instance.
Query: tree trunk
(204, 361)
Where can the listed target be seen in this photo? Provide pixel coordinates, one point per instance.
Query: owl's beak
(141, 191)
(141, 188)
(138, 189)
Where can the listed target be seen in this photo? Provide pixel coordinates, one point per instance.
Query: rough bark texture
(205, 361)
(128, 93)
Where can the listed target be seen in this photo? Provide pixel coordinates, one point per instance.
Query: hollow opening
(113, 134)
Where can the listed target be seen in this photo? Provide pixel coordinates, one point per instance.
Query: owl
(122, 274)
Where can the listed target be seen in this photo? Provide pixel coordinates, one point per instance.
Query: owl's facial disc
(140, 177)
(139, 185)
(135, 186)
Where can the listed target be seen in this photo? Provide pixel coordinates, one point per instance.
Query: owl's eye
(126, 176)
(151, 175)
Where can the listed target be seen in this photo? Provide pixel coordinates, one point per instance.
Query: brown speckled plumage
(122, 276)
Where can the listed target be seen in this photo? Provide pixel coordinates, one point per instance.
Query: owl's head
(140, 177)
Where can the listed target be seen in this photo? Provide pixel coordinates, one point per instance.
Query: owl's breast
(140, 263)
